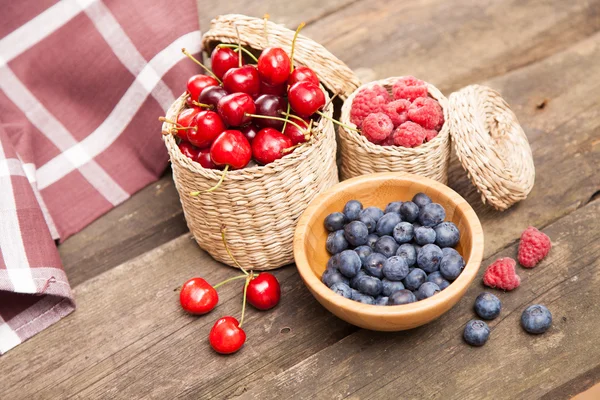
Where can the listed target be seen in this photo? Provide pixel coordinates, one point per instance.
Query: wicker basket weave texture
(359, 156)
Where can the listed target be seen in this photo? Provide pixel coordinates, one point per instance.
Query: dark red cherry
(274, 66)
(244, 79)
(270, 106)
(197, 83)
(269, 145)
(188, 149)
(222, 60)
(208, 126)
(292, 131)
(211, 95)
(231, 148)
(250, 132)
(277, 90)
(204, 159)
(302, 74)
(234, 107)
(306, 98)
(185, 118)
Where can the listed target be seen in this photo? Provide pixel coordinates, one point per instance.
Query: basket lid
(491, 145)
(332, 72)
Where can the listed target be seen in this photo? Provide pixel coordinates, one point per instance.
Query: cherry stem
(294, 45)
(286, 116)
(183, 128)
(275, 118)
(337, 122)
(209, 106)
(290, 149)
(163, 119)
(212, 189)
(265, 33)
(228, 280)
(237, 264)
(248, 279)
(237, 32)
(248, 52)
(191, 57)
(330, 101)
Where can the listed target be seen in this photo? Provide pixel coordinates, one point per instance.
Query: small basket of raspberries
(252, 141)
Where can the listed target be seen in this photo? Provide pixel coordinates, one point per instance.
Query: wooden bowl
(379, 190)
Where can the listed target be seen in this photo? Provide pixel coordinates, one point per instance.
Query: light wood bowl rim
(451, 293)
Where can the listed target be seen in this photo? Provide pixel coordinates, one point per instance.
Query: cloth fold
(82, 85)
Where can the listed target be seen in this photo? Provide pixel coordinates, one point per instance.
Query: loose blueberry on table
(387, 265)
(476, 332)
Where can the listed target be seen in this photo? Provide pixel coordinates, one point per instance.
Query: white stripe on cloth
(56, 132)
(126, 52)
(29, 169)
(8, 337)
(11, 241)
(38, 28)
(101, 139)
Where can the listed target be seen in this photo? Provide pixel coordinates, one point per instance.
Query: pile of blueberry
(397, 256)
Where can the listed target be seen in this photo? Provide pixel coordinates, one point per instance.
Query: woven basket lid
(333, 73)
(491, 145)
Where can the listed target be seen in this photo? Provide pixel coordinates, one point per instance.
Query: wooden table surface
(130, 339)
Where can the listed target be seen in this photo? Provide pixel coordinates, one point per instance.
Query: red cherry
(222, 60)
(197, 83)
(226, 336)
(208, 126)
(198, 297)
(203, 158)
(188, 149)
(185, 118)
(211, 95)
(274, 66)
(294, 133)
(263, 291)
(268, 145)
(306, 98)
(244, 79)
(270, 106)
(250, 131)
(231, 148)
(234, 107)
(303, 74)
(278, 90)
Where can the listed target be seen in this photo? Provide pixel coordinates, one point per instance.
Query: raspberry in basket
(533, 247)
(367, 101)
(409, 134)
(426, 112)
(409, 88)
(377, 127)
(430, 134)
(397, 110)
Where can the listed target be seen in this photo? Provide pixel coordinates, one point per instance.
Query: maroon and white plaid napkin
(82, 85)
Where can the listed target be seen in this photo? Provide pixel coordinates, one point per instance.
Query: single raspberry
(369, 100)
(426, 112)
(409, 88)
(533, 247)
(397, 110)
(409, 134)
(430, 134)
(377, 127)
(502, 275)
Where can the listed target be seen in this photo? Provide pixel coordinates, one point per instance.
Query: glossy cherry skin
(222, 60)
(294, 133)
(250, 131)
(277, 90)
(306, 98)
(197, 83)
(211, 95)
(270, 106)
(198, 297)
(274, 66)
(303, 74)
(185, 118)
(268, 145)
(203, 158)
(209, 125)
(231, 148)
(234, 107)
(244, 79)
(188, 149)
(226, 336)
(264, 291)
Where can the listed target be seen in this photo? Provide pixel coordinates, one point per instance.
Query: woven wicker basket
(359, 156)
(259, 206)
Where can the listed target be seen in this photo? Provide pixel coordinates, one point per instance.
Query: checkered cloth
(82, 85)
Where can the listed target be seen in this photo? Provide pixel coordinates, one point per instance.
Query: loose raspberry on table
(409, 134)
(533, 247)
(377, 127)
(409, 88)
(397, 110)
(501, 274)
(430, 134)
(367, 101)
(426, 112)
